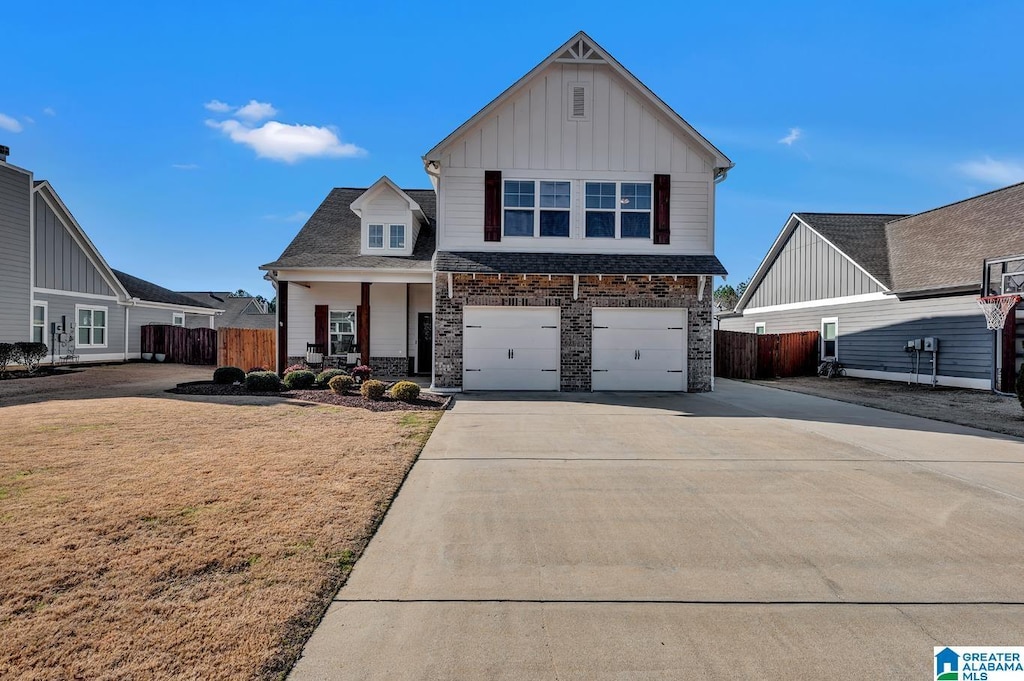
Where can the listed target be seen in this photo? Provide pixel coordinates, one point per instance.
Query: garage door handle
(637, 355)
(510, 353)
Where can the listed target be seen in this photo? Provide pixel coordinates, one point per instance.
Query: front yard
(161, 537)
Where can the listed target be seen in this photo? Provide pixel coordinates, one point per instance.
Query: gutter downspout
(127, 316)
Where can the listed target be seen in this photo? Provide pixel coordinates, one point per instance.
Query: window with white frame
(342, 330)
(92, 326)
(177, 319)
(760, 328)
(396, 236)
(375, 238)
(536, 208)
(39, 322)
(829, 337)
(618, 210)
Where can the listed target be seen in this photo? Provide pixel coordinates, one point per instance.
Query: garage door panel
(510, 317)
(510, 379)
(631, 339)
(511, 348)
(638, 380)
(639, 349)
(491, 337)
(638, 318)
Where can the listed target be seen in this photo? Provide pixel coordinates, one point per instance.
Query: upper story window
(618, 210)
(397, 236)
(376, 236)
(536, 208)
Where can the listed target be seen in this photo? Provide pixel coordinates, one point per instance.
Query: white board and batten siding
(639, 349)
(386, 207)
(511, 348)
(388, 320)
(60, 262)
(388, 315)
(530, 137)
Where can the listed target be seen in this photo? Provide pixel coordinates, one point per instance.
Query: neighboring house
(240, 312)
(56, 288)
(571, 247)
(871, 284)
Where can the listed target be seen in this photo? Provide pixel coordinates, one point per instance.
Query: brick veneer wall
(539, 290)
(382, 366)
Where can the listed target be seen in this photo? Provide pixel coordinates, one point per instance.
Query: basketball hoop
(996, 308)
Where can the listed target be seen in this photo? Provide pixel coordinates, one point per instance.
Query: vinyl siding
(386, 207)
(808, 268)
(530, 137)
(388, 320)
(59, 306)
(61, 264)
(15, 255)
(302, 302)
(873, 334)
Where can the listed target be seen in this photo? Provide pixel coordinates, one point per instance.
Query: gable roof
(332, 237)
(239, 312)
(384, 181)
(149, 292)
(584, 49)
(859, 236)
(945, 248)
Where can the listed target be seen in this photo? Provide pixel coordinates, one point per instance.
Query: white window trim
(405, 233)
(821, 350)
(762, 326)
(46, 320)
(355, 329)
(105, 327)
(619, 210)
(174, 318)
(536, 207)
(383, 242)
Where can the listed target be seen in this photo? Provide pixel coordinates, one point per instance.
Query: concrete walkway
(752, 533)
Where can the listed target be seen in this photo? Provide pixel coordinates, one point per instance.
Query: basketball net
(996, 308)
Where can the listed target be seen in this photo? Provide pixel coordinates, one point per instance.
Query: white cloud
(185, 166)
(288, 143)
(793, 136)
(9, 124)
(993, 172)
(218, 106)
(49, 111)
(256, 111)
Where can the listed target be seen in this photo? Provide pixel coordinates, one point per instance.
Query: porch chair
(315, 355)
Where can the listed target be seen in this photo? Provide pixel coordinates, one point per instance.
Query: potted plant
(147, 356)
(361, 373)
(159, 356)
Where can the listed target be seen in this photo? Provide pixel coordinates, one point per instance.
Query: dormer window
(397, 235)
(376, 236)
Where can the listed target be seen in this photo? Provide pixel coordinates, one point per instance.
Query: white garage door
(639, 348)
(510, 348)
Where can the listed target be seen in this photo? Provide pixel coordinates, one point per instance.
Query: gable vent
(578, 102)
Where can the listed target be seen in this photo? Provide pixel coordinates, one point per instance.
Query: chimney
(4, 152)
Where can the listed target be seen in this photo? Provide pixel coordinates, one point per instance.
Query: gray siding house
(56, 288)
(872, 284)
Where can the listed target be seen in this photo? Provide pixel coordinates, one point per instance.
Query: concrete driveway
(750, 533)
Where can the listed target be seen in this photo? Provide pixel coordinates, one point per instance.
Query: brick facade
(540, 290)
(382, 366)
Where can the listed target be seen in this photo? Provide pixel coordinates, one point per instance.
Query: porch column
(282, 326)
(363, 323)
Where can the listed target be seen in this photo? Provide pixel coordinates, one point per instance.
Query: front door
(424, 342)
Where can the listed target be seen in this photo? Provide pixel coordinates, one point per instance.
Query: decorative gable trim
(580, 50)
(375, 188)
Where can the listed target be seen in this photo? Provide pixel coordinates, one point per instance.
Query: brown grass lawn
(163, 538)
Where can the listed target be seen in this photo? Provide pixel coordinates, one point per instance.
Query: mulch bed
(40, 373)
(425, 402)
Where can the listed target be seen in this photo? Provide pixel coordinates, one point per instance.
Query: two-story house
(567, 244)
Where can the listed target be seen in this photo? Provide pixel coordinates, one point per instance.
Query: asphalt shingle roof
(503, 262)
(237, 311)
(146, 290)
(332, 236)
(860, 236)
(946, 247)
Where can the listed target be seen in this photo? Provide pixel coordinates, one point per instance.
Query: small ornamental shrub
(324, 377)
(405, 391)
(1020, 387)
(362, 372)
(300, 380)
(301, 366)
(372, 390)
(262, 382)
(256, 369)
(228, 375)
(8, 355)
(341, 383)
(30, 354)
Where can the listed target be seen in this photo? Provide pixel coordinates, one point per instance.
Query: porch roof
(576, 263)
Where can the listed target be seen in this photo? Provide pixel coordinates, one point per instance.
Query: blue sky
(867, 107)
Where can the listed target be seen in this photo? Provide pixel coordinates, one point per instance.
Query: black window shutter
(492, 205)
(662, 185)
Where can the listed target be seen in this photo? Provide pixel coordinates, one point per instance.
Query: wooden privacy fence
(773, 355)
(180, 345)
(247, 349)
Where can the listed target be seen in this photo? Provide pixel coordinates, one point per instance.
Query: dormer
(390, 219)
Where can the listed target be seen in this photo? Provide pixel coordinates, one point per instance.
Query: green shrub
(324, 377)
(30, 354)
(341, 383)
(228, 375)
(405, 391)
(1020, 387)
(372, 390)
(300, 380)
(8, 355)
(262, 382)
